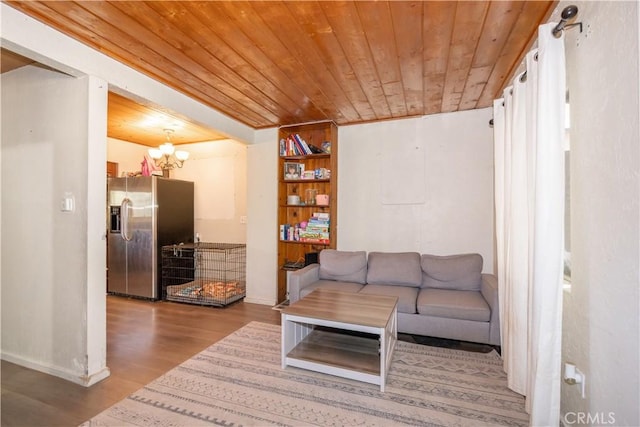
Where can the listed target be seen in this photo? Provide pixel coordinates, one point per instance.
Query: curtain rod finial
(569, 12)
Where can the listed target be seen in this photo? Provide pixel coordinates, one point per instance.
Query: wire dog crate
(204, 273)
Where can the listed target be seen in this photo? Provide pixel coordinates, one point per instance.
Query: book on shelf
(294, 145)
(307, 235)
(286, 149)
(317, 220)
(320, 241)
(314, 149)
(316, 230)
(321, 215)
(300, 144)
(318, 226)
(299, 149)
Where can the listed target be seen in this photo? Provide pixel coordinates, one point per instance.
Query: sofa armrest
(489, 290)
(302, 278)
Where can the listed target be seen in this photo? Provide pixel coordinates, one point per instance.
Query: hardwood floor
(144, 340)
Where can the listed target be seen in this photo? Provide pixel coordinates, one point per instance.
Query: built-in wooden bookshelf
(310, 148)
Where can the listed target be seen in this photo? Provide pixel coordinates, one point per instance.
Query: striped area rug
(239, 381)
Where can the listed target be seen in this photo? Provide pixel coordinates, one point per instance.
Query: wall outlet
(243, 219)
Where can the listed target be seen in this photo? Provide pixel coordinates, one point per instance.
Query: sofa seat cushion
(406, 295)
(332, 285)
(394, 268)
(453, 304)
(343, 266)
(456, 272)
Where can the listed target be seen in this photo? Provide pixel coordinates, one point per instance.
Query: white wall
(422, 184)
(53, 262)
(219, 172)
(262, 218)
(601, 312)
(127, 155)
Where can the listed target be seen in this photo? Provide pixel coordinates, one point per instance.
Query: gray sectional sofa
(438, 296)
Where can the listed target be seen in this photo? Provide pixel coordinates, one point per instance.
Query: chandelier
(166, 157)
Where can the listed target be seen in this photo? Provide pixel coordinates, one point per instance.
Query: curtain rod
(567, 14)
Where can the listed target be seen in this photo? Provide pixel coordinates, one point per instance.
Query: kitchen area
(195, 202)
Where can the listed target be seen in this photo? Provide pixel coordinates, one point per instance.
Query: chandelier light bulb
(181, 155)
(167, 148)
(155, 153)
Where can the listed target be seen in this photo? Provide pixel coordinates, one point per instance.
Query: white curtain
(529, 199)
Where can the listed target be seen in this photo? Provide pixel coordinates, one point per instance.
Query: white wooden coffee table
(356, 341)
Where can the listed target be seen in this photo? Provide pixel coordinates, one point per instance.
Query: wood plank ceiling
(145, 124)
(272, 63)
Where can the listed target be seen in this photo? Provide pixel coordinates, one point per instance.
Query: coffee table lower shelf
(358, 357)
(338, 354)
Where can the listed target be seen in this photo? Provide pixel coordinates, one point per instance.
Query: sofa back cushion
(456, 272)
(343, 266)
(394, 268)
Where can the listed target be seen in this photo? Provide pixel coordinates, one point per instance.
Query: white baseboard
(96, 377)
(65, 374)
(259, 301)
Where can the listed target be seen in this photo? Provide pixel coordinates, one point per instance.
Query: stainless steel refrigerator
(145, 213)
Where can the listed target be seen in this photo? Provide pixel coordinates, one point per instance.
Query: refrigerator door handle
(124, 212)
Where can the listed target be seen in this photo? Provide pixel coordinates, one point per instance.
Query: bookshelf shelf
(297, 242)
(308, 156)
(322, 169)
(306, 181)
(306, 206)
